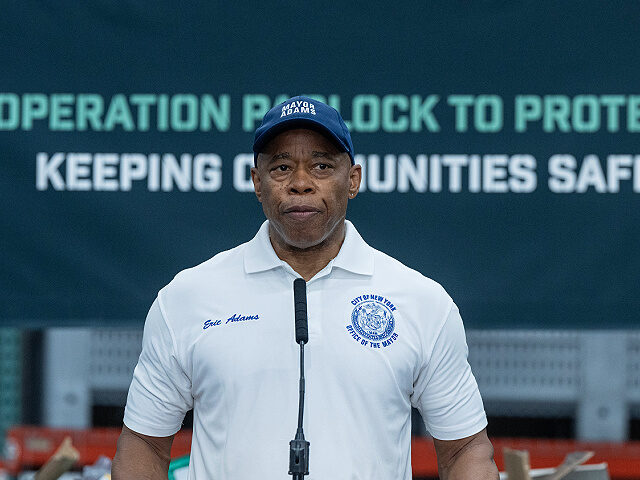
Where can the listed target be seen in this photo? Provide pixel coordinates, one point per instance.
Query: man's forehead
(314, 153)
(301, 137)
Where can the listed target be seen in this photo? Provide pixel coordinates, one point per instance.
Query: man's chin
(303, 242)
(301, 236)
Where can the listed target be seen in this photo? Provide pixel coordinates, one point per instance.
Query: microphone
(299, 447)
(300, 309)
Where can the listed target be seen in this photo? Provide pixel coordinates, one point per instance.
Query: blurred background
(499, 142)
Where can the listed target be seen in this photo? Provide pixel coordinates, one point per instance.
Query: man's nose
(301, 181)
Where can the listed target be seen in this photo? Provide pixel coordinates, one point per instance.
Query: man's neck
(308, 262)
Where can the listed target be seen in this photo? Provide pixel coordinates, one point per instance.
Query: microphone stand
(299, 447)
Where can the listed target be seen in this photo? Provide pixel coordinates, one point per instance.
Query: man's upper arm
(466, 458)
(160, 392)
(160, 445)
(141, 456)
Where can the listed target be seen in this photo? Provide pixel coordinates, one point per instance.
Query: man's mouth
(300, 212)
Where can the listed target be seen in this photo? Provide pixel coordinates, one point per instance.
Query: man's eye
(322, 166)
(281, 168)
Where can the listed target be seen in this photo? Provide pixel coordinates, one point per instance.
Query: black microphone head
(300, 309)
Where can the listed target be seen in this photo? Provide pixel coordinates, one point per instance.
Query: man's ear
(255, 177)
(355, 177)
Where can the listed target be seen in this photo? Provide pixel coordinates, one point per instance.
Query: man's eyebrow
(279, 156)
(322, 154)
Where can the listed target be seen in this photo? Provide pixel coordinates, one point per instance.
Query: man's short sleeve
(445, 390)
(160, 392)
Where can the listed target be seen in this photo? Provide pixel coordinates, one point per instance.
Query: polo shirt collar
(259, 255)
(354, 255)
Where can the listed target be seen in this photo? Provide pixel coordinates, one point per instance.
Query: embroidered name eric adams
(372, 322)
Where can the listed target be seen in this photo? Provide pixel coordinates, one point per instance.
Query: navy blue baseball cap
(303, 112)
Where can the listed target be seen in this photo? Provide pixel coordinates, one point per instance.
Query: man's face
(304, 183)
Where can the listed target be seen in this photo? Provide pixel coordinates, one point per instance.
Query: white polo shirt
(382, 337)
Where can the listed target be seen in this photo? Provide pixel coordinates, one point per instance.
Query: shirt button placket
(314, 309)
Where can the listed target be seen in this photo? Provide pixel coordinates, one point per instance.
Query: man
(220, 338)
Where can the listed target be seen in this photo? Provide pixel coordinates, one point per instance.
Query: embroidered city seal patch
(372, 321)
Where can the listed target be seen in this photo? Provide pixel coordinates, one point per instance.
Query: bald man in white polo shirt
(382, 338)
